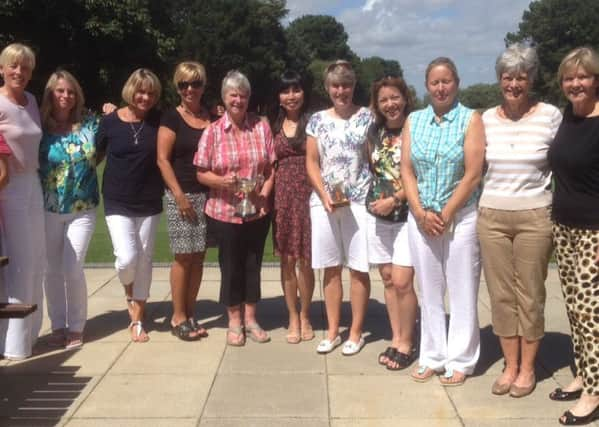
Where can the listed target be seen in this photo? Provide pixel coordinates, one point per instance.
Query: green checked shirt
(437, 154)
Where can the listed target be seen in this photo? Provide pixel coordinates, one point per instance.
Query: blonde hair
(141, 78)
(584, 57)
(340, 72)
(76, 113)
(17, 53)
(188, 71)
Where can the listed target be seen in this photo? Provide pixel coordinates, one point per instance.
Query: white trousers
(449, 262)
(133, 243)
(67, 240)
(22, 216)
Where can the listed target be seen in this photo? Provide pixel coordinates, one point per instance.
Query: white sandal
(139, 329)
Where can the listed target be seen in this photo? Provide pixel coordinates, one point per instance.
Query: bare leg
(510, 346)
(289, 282)
(392, 304)
(359, 294)
(403, 282)
(333, 296)
(180, 275)
(233, 336)
(306, 291)
(196, 270)
(251, 322)
(528, 354)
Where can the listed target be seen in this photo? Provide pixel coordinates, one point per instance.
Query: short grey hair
(518, 58)
(235, 80)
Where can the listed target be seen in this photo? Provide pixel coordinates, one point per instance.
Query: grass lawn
(100, 248)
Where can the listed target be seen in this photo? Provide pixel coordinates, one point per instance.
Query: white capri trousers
(449, 262)
(133, 243)
(22, 217)
(340, 237)
(67, 240)
(388, 242)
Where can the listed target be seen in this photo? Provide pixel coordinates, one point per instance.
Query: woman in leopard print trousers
(574, 160)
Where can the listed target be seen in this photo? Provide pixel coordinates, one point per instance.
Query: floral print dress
(385, 158)
(68, 169)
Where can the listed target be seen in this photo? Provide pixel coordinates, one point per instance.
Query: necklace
(136, 132)
(197, 115)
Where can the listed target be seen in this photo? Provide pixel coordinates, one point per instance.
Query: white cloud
(471, 32)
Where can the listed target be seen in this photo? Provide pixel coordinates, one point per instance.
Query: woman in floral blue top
(70, 185)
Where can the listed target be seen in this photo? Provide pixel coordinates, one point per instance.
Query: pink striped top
(248, 153)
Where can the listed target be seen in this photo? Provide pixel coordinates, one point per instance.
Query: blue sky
(413, 32)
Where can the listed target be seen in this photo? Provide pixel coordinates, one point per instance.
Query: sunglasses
(339, 63)
(196, 84)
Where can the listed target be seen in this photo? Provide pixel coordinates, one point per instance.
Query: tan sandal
(293, 337)
(307, 332)
(452, 378)
(423, 374)
(238, 333)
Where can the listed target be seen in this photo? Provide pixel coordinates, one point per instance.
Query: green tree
(100, 41)
(555, 27)
(481, 96)
(319, 37)
(371, 69)
(228, 34)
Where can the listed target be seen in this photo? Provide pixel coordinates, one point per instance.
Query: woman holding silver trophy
(339, 173)
(234, 159)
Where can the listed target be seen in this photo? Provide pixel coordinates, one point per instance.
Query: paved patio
(166, 382)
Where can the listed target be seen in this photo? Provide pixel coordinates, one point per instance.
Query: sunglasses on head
(339, 63)
(196, 84)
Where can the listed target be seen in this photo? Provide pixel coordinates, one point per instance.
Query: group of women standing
(353, 186)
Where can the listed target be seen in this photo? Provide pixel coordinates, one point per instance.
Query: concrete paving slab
(128, 422)
(264, 422)
(262, 396)
(475, 401)
(394, 422)
(147, 396)
(92, 359)
(274, 358)
(175, 357)
(375, 396)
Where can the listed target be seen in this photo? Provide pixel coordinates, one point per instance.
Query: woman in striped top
(514, 225)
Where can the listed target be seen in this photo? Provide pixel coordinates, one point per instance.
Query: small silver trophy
(245, 208)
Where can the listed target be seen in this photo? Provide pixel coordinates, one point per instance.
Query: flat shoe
(517, 392)
(569, 419)
(350, 348)
(500, 388)
(74, 341)
(422, 374)
(326, 345)
(563, 396)
(139, 334)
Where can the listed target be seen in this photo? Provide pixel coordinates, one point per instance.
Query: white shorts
(340, 237)
(388, 242)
